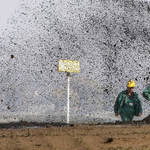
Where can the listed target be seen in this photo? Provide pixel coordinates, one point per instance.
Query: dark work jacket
(121, 100)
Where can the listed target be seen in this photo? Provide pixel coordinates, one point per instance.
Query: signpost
(68, 66)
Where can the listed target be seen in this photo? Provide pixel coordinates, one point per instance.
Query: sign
(68, 66)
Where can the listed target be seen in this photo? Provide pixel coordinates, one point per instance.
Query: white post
(68, 97)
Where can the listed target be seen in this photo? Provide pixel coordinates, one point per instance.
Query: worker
(128, 104)
(146, 93)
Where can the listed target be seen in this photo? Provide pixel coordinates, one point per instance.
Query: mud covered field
(118, 136)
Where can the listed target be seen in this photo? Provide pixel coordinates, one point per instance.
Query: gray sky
(7, 7)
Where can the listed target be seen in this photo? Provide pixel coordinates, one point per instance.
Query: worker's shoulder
(123, 92)
(148, 88)
(135, 93)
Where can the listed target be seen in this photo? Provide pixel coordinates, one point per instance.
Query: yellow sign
(68, 66)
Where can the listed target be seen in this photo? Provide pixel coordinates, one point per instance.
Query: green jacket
(121, 100)
(146, 93)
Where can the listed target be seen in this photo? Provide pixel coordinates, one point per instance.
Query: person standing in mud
(128, 104)
(146, 93)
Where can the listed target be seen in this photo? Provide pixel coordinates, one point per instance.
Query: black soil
(24, 124)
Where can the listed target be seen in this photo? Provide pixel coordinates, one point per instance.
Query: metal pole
(68, 96)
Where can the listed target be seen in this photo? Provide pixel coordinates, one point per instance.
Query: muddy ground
(110, 136)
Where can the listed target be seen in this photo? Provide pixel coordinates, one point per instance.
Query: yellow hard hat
(131, 83)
